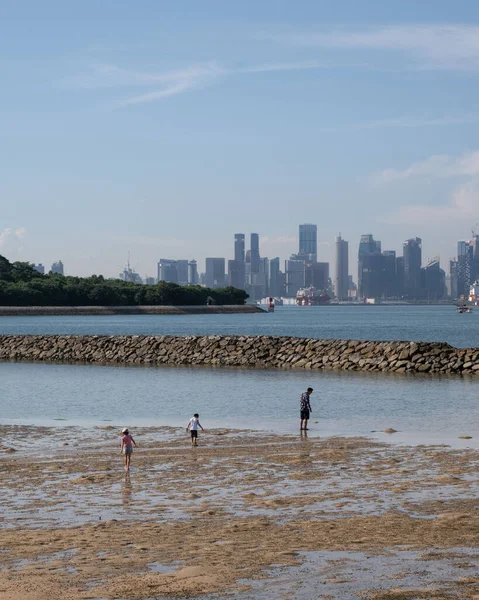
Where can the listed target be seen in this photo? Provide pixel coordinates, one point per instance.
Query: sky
(160, 128)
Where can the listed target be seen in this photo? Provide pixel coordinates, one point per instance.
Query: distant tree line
(22, 285)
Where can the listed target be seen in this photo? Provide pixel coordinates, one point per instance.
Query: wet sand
(244, 515)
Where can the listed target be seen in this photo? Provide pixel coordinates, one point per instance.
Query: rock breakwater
(244, 351)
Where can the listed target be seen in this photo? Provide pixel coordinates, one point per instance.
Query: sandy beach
(244, 515)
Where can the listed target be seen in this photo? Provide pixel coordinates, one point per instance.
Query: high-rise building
(412, 252)
(236, 274)
(215, 273)
(400, 290)
(40, 268)
(254, 253)
(167, 270)
(308, 241)
(182, 271)
(369, 269)
(433, 281)
(239, 247)
(465, 261)
(274, 283)
(317, 275)
(192, 272)
(341, 270)
(236, 267)
(57, 268)
(389, 274)
(295, 273)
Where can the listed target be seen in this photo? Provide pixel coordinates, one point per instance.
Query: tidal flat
(244, 515)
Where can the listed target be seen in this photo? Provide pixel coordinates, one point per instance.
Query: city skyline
(157, 128)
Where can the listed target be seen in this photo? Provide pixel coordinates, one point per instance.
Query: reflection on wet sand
(239, 511)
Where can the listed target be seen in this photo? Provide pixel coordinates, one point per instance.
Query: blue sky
(164, 127)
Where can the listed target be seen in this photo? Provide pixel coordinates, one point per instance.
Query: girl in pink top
(127, 443)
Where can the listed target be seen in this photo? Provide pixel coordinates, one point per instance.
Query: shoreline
(16, 311)
(261, 509)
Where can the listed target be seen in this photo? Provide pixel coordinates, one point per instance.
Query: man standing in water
(305, 409)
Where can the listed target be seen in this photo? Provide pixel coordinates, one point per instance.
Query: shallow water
(418, 323)
(424, 409)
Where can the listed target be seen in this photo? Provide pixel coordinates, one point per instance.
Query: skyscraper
(274, 278)
(317, 275)
(215, 272)
(308, 241)
(167, 270)
(57, 268)
(236, 274)
(341, 271)
(412, 252)
(182, 271)
(369, 269)
(239, 247)
(465, 262)
(295, 272)
(192, 273)
(254, 253)
(236, 267)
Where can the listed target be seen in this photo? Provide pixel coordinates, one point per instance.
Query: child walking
(127, 443)
(193, 425)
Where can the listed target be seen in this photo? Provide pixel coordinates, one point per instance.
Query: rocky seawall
(244, 351)
(15, 311)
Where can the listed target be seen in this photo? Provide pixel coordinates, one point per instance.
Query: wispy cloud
(433, 45)
(8, 235)
(462, 206)
(171, 83)
(435, 167)
(463, 203)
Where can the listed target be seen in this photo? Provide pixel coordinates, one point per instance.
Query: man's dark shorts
(305, 414)
(194, 433)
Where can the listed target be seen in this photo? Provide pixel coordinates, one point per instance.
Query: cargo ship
(311, 297)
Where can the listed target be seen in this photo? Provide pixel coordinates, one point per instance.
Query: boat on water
(463, 308)
(311, 297)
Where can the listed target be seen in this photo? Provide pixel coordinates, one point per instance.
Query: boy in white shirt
(193, 425)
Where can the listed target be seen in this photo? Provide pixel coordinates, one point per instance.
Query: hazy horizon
(161, 129)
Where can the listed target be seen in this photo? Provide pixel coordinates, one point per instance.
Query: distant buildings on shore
(381, 274)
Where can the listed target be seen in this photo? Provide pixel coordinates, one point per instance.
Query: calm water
(424, 409)
(418, 323)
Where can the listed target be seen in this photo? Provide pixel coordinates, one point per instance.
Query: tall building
(192, 272)
(400, 290)
(167, 270)
(369, 267)
(317, 275)
(182, 271)
(341, 270)
(433, 281)
(57, 268)
(254, 253)
(308, 241)
(389, 274)
(240, 247)
(274, 282)
(412, 252)
(40, 268)
(236, 267)
(215, 273)
(236, 274)
(465, 262)
(295, 276)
